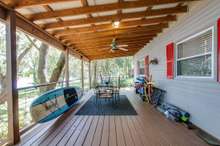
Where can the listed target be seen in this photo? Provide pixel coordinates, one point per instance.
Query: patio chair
(104, 92)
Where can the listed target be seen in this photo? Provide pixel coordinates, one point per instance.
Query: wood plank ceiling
(86, 25)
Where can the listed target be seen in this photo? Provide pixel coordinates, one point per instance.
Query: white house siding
(200, 97)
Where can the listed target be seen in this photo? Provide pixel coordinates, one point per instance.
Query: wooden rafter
(136, 28)
(36, 31)
(31, 3)
(3, 13)
(111, 56)
(119, 41)
(101, 50)
(101, 8)
(108, 40)
(130, 31)
(111, 37)
(106, 50)
(123, 25)
(101, 47)
(165, 11)
(108, 54)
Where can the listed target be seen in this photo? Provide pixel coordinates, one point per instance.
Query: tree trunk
(57, 71)
(3, 91)
(42, 65)
(26, 50)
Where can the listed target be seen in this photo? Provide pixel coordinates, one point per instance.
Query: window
(141, 67)
(195, 55)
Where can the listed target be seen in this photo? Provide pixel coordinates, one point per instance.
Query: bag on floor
(175, 113)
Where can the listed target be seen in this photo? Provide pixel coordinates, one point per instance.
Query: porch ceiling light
(116, 24)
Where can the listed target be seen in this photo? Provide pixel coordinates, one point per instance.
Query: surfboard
(54, 103)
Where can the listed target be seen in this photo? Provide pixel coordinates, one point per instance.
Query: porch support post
(67, 67)
(82, 73)
(13, 121)
(90, 78)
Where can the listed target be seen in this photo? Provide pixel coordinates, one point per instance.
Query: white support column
(82, 73)
(13, 120)
(67, 67)
(90, 77)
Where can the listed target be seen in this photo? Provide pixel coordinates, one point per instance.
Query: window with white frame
(195, 55)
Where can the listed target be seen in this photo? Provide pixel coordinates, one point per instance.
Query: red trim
(170, 60)
(146, 66)
(218, 51)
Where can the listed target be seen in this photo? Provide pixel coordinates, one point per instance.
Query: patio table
(107, 92)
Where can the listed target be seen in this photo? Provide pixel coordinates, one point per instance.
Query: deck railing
(26, 96)
(124, 81)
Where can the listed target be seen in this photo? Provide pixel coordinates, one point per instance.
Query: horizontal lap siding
(200, 97)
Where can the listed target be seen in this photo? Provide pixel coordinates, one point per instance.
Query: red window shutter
(146, 66)
(170, 60)
(218, 54)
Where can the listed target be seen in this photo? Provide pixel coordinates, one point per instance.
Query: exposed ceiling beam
(109, 57)
(106, 50)
(100, 8)
(98, 50)
(31, 3)
(119, 40)
(108, 43)
(116, 34)
(10, 3)
(77, 54)
(109, 40)
(112, 55)
(85, 4)
(165, 11)
(32, 29)
(123, 25)
(3, 13)
(121, 35)
(36, 31)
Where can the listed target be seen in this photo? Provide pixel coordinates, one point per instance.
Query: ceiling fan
(114, 46)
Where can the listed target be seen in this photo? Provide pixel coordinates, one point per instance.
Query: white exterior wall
(200, 97)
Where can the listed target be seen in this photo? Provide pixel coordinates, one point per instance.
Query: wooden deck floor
(148, 128)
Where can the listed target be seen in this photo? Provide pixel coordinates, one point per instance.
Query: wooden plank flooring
(148, 128)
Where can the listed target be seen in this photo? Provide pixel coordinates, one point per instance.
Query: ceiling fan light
(116, 24)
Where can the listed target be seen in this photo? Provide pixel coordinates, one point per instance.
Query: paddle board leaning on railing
(54, 103)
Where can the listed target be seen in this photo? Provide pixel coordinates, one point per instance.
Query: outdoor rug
(105, 107)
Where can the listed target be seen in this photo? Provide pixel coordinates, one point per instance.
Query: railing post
(82, 73)
(67, 67)
(13, 120)
(90, 78)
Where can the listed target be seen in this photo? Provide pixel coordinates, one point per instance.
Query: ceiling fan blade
(119, 46)
(123, 49)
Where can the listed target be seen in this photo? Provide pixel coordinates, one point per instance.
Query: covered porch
(148, 127)
(157, 41)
